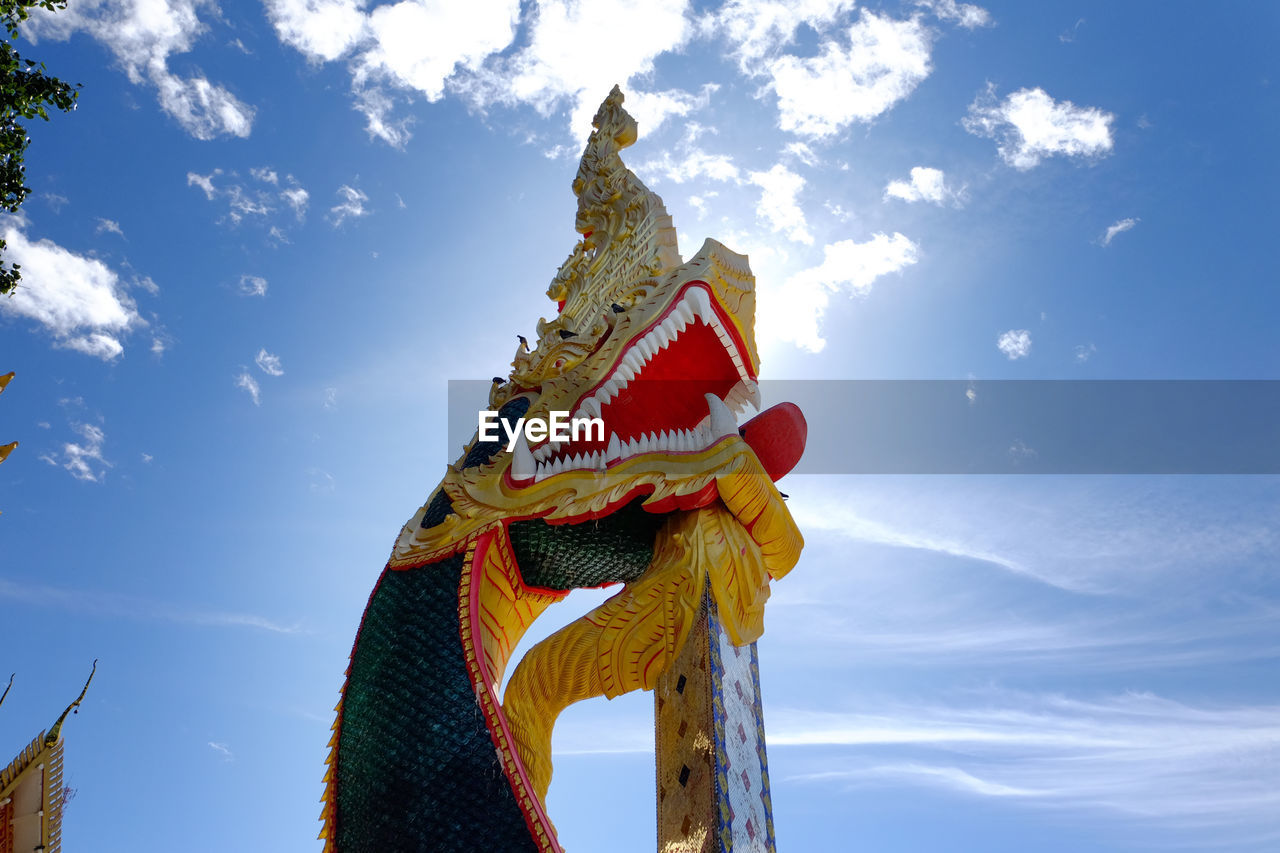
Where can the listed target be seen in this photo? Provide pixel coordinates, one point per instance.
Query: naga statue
(675, 501)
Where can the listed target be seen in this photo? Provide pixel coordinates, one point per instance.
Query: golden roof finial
(54, 733)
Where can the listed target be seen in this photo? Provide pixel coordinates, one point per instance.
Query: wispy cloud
(222, 749)
(83, 459)
(110, 604)
(965, 15)
(143, 37)
(250, 386)
(269, 363)
(1028, 126)
(253, 285)
(350, 205)
(1117, 228)
(1137, 756)
(109, 225)
(258, 202)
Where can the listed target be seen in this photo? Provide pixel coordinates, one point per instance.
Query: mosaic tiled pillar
(713, 776)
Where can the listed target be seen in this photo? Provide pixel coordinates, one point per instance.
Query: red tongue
(777, 435)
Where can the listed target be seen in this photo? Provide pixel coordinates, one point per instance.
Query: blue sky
(271, 233)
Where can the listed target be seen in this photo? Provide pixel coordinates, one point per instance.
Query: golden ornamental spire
(628, 242)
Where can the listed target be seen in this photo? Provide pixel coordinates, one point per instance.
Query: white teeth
(700, 301)
(659, 337)
(722, 422)
(522, 465)
(633, 361)
(753, 394)
(612, 386)
(642, 346)
(624, 373)
(685, 312)
(614, 451)
(590, 408)
(669, 326)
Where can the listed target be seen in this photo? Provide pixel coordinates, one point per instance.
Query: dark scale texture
(614, 549)
(481, 452)
(417, 770)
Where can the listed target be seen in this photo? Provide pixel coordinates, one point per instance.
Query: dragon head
(661, 351)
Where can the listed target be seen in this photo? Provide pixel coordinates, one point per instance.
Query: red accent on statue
(777, 435)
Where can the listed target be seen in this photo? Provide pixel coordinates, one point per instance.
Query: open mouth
(689, 369)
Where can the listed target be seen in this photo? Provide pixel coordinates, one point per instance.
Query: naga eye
(565, 334)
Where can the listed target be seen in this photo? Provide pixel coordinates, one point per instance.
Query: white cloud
(802, 152)
(1118, 228)
(331, 398)
(1029, 125)
(794, 311)
(926, 184)
(109, 225)
(758, 29)
(204, 182)
(221, 748)
(324, 30)
(1085, 351)
(883, 62)
(779, 205)
(253, 285)
(1015, 343)
(254, 203)
(577, 50)
(964, 15)
(850, 266)
(268, 363)
(84, 460)
(351, 205)
(143, 34)
(79, 300)
(297, 198)
(652, 109)
(411, 45)
(690, 164)
(418, 45)
(250, 385)
(96, 344)
(158, 346)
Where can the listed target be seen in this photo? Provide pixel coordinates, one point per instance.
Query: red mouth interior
(669, 394)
